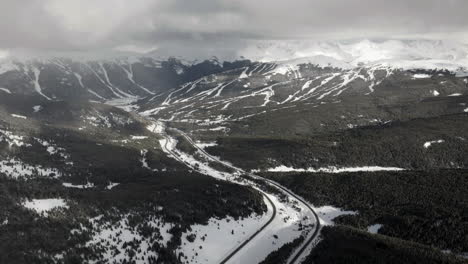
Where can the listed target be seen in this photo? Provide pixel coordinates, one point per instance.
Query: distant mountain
(402, 54)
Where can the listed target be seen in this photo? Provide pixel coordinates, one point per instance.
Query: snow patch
(85, 186)
(156, 127)
(374, 229)
(144, 159)
(114, 237)
(211, 242)
(43, 206)
(328, 213)
(37, 108)
(206, 144)
(333, 169)
(421, 76)
(138, 137)
(12, 139)
(16, 168)
(5, 90)
(19, 116)
(53, 149)
(112, 185)
(430, 143)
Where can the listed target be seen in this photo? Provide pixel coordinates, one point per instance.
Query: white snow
(53, 149)
(374, 229)
(43, 206)
(307, 85)
(16, 168)
(435, 93)
(430, 143)
(465, 110)
(37, 86)
(220, 128)
(328, 213)
(112, 185)
(138, 137)
(37, 108)
(5, 90)
(284, 228)
(333, 169)
(85, 186)
(206, 144)
(421, 76)
(156, 127)
(12, 139)
(455, 94)
(143, 159)
(216, 238)
(404, 54)
(113, 237)
(19, 116)
(244, 74)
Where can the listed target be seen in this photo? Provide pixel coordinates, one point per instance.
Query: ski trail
(37, 86)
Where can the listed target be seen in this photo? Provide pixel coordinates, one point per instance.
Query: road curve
(314, 235)
(241, 246)
(235, 251)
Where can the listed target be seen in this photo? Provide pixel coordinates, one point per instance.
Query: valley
(317, 159)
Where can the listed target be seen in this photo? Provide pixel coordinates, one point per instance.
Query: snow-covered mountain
(141, 76)
(405, 54)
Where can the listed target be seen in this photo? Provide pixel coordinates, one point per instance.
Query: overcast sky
(142, 25)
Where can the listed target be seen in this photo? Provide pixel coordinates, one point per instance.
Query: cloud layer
(142, 25)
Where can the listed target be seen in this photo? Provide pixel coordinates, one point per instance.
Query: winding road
(311, 236)
(296, 256)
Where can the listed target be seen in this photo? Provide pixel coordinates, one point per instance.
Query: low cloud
(192, 26)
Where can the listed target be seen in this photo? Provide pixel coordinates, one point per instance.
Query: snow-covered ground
(112, 185)
(206, 144)
(421, 76)
(328, 213)
(12, 139)
(43, 206)
(138, 137)
(214, 241)
(53, 149)
(293, 220)
(143, 159)
(19, 116)
(15, 168)
(283, 168)
(5, 90)
(37, 108)
(114, 239)
(374, 229)
(78, 186)
(428, 144)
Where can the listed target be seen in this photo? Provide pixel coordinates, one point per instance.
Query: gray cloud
(189, 26)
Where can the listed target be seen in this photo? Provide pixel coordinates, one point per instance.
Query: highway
(296, 256)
